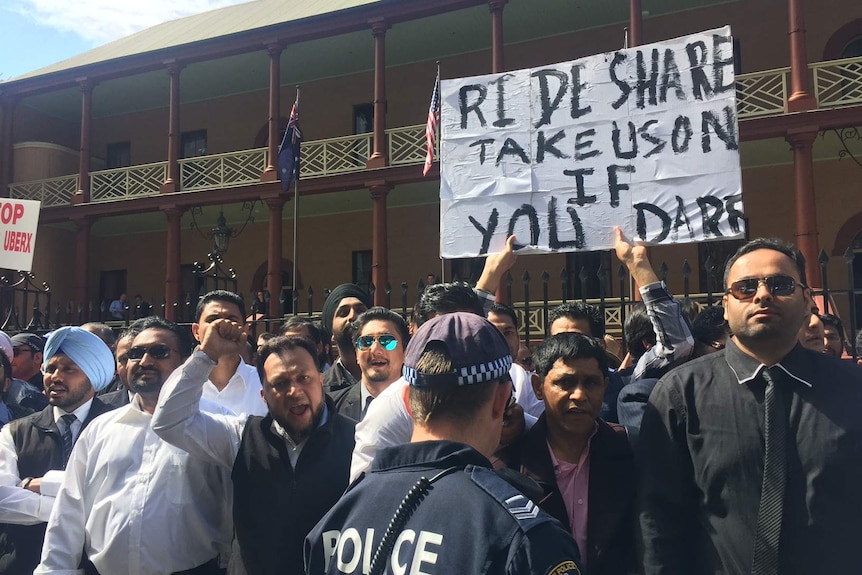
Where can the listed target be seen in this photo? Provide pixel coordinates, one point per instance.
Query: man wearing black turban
(343, 306)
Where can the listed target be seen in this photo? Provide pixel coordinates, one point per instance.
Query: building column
(378, 156)
(83, 193)
(379, 241)
(800, 94)
(802, 143)
(273, 257)
(7, 104)
(496, 7)
(172, 181)
(174, 215)
(270, 173)
(82, 260)
(635, 23)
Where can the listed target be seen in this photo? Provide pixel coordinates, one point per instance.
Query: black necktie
(367, 405)
(66, 435)
(768, 534)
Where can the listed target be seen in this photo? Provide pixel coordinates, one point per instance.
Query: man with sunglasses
(130, 502)
(749, 457)
(34, 449)
(380, 336)
(27, 358)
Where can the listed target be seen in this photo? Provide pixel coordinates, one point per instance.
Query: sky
(36, 33)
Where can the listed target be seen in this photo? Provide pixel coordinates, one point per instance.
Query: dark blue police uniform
(470, 521)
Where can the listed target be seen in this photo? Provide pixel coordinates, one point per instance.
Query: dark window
(712, 280)
(363, 118)
(584, 279)
(118, 155)
(853, 49)
(112, 283)
(194, 144)
(466, 269)
(362, 268)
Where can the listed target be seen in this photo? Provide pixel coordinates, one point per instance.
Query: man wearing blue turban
(34, 449)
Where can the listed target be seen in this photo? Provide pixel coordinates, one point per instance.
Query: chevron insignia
(522, 508)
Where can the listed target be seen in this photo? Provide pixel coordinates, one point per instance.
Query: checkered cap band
(478, 351)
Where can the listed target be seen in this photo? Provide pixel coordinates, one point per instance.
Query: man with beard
(343, 306)
(130, 501)
(288, 468)
(380, 336)
(34, 449)
(749, 457)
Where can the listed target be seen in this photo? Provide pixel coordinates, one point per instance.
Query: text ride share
(18, 221)
(645, 139)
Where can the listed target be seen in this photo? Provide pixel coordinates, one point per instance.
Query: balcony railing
(835, 83)
(125, 183)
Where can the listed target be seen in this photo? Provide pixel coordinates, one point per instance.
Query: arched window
(853, 49)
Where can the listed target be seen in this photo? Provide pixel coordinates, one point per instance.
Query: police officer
(434, 505)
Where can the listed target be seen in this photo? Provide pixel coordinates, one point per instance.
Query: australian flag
(288, 152)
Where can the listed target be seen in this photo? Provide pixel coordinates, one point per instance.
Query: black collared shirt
(701, 456)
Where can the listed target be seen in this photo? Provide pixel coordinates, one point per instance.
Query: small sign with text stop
(19, 220)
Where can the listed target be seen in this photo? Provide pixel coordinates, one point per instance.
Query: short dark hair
(447, 298)
(220, 295)
(104, 331)
(279, 345)
(184, 338)
(451, 402)
(7, 369)
(709, 326)
(504, 309)
(379, 313)
(638, 327)
(568, 346)
(774, 244)
(834, 321)
(297, 322)
(580, 310)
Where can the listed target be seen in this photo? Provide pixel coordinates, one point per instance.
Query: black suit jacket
(610, 520)
(40, 449)
(348, 401)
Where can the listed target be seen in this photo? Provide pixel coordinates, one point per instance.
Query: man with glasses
(749, 456)
(27, 358)
(288, 467)
(130, 502)
(380, 336)
(34, 449)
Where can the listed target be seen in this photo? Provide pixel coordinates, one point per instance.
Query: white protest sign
(644, 138)
(18, 222)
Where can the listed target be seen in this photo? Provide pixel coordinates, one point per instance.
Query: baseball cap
(36, 342)
(478, 351)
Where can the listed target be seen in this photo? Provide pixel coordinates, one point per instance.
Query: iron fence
(28, 307)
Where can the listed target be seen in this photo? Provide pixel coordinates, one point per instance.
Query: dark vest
(39, 449)
(275, 506)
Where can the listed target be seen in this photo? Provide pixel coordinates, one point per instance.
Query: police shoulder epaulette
(516, 503)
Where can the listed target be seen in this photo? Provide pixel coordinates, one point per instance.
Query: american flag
(431, 126)
(288, 152)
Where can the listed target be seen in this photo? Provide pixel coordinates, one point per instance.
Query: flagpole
(294, 295)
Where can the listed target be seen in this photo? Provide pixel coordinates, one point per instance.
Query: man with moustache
(749, 457)
(34, 449)
(342, 306)
(380, 335)
(288, 467)
(130, 502)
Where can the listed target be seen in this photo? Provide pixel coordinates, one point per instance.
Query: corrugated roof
(205, 26)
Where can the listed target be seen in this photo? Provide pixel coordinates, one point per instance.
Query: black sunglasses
(779, 285)
(157, 351)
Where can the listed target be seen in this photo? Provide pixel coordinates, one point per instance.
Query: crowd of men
(723, 442)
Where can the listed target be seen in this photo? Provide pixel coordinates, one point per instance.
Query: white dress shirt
(22, 506)
(136, 504)
(524, 394)
(241, 395)
(387, 422)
